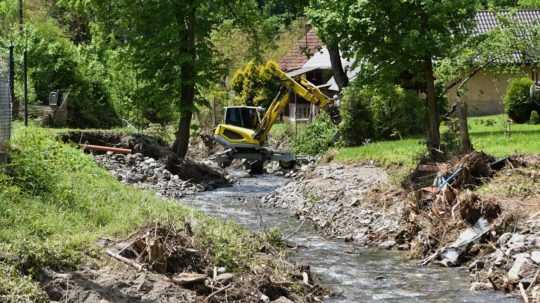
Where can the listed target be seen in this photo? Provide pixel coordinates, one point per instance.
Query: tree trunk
(187, 70)
(433, 133)
(337, 67)
(466, 145)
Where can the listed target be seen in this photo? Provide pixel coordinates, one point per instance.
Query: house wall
(485, 92)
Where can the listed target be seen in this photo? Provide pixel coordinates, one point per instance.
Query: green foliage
(317, 138)
(255, 84)
(394, 35)
(56, 64)
(14, 288)
(56, 203)
(380, 111)
(517, 101)
(357, 125)
(535, 4)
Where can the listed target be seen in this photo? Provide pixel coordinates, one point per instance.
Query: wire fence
(6, 85)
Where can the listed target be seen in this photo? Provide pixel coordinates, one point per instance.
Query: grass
(56, 202)
(489, 134)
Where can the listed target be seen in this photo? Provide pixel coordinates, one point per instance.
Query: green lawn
(489, 134)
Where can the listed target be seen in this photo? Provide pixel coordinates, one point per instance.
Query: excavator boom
(246, 138)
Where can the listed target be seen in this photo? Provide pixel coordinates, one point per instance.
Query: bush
(316, 138)
(380, 112)
(255, 85)
(517, 101)
(56, 64)
(357, 125)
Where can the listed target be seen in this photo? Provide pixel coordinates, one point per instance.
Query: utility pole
(25, 62)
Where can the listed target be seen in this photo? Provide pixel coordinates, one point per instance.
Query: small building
(293, 63)
(485, 91)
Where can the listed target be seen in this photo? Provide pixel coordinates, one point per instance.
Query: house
(484, 93)
(293, 63)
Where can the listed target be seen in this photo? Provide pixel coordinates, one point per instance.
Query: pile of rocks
(514, 263)
(338, 199)
(147, 173)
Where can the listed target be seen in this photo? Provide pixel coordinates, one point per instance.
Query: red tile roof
(301, 52)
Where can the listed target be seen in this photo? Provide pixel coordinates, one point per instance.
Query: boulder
(535, 256)
(282, 300)
(522, 267)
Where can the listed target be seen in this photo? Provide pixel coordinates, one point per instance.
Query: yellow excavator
(244, 133)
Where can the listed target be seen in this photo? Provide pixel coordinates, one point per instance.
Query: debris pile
(162, 249)
(147, 173)
(447, 224)
(161, 263)
(344, 202)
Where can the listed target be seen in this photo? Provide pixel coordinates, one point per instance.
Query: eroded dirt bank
(496, 235)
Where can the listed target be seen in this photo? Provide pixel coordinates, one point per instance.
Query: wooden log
(100, 148)
(118, 257)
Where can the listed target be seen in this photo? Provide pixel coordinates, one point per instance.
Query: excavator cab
(244, 116)
(245, 131)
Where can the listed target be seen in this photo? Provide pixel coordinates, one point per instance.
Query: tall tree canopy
(401, 36)
(168, 43)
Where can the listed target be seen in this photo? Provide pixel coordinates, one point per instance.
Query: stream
(354, 274)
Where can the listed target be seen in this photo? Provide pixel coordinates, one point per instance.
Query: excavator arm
(301, 87)
(246, 140)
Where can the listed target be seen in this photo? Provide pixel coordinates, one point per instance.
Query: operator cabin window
(243, 117)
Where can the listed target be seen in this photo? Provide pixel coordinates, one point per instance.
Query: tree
(168, 44)
(400, 37)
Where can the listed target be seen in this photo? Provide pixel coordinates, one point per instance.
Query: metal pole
(25, 63)
(14, 104)
(25, 79)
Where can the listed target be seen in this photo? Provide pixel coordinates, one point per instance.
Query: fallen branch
(533, 283)
(132, 263)
(523, 293)
(207, 299)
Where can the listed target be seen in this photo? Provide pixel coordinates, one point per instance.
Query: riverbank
(487, 223)
(70, 232)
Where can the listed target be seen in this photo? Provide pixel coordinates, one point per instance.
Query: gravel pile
(340, 201)
(147, 173)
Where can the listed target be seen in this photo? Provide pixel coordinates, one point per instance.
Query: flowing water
(354, 274)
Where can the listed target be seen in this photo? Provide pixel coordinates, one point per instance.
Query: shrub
(255, 85)
(396, 113)
(380, 111)
(316, 138)
(357, 125)
(517, 101)
(55, 63)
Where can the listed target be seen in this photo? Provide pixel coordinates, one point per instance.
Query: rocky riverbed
(354, 203)
(497, 239)
(149, 173)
